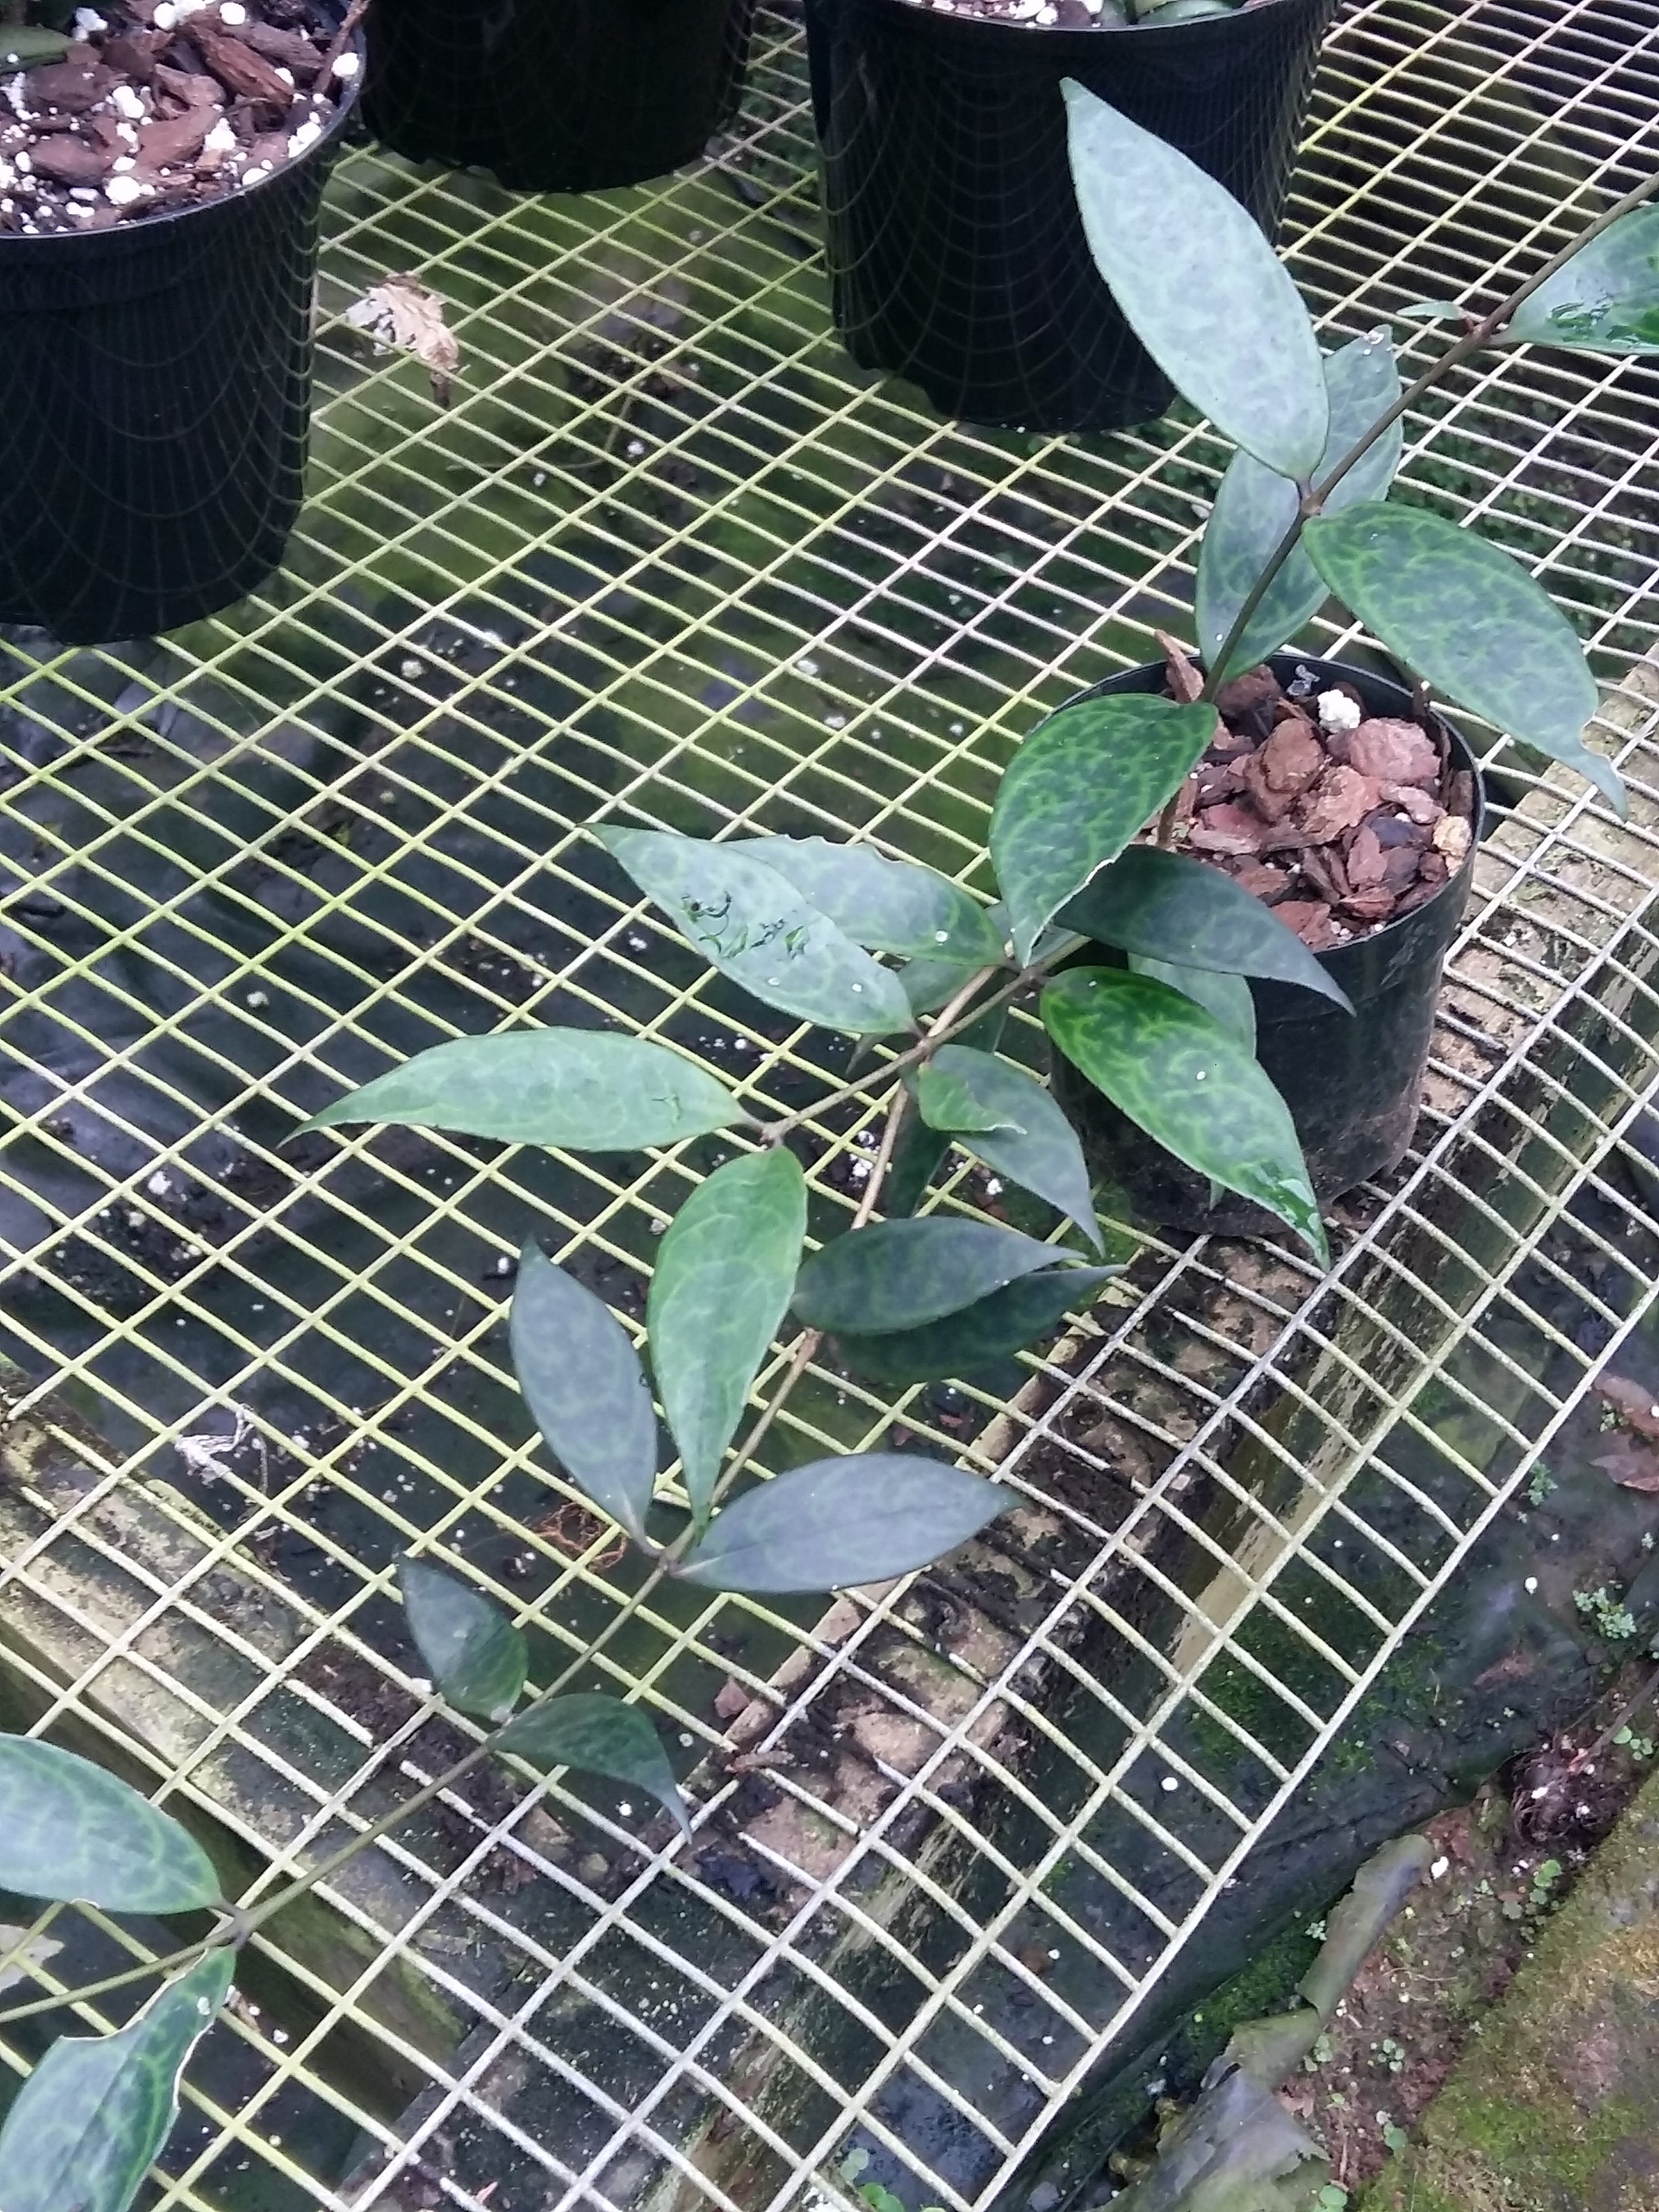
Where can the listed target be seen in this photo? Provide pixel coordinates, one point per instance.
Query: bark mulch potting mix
(164, 103)
(1339, 819)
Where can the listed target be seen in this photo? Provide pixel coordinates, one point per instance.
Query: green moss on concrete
(1555, 2108)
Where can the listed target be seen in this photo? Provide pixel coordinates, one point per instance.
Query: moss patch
(1555, 2108)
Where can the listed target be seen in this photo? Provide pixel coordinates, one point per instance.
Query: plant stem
(951, 1023)
(250, 1918)
(144, 1973)
(1479, 334)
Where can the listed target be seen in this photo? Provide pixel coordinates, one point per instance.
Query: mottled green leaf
(1163, 906)
(888, 906)
(920, 1149)
(587, 1090)
(471, 1648)
(1175, 1071)
(724, 1275)
(1254, 506)
(69, 1830)
(597, 1735)
(1078, 789)
(86, 2126)
(897, 1274)
(993, 1328)
(1432, 311)
(27, 46)
(1470, 620)
(1184, 11)
(1199, 284)
(833, 1523)
(1227, 997)
(947, 1102)
(1034, 1146)
(585, 1390)
(754, 926)
(1606, 299)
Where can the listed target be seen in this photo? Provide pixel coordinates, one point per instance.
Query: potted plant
(162, 163)
(956, 259)
(557, 95)
(1337, 796)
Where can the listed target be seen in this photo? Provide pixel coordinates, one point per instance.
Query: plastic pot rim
(938, 23)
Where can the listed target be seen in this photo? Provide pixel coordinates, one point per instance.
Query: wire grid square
(668, 557)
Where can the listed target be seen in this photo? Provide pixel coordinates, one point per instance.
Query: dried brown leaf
(1632, 1462)
(1637, 1404)
(400, 315)
(1185, 682)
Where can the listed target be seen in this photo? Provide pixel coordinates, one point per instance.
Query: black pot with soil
(557, 95)
(1352, 1081)
(957, 254)
(156, 377)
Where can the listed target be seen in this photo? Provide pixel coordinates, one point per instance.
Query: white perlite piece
(87, 20)
(307, 135)
(1338, 712)
(221, 139)
(127, 104)
(233, 13)
(345, 65)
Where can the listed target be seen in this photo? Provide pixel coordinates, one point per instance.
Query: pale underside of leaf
(473, 1652)
(754, 926)
(1227, 997)
(583, 1090)
(834, 1524)
(887, 906)
(585, 1390)
(1199, 286)
(722, 1284)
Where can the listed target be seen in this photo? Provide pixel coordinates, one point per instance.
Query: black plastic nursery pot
(956, 254)
(1352, 1081)
(555, 95)
(154, 406)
